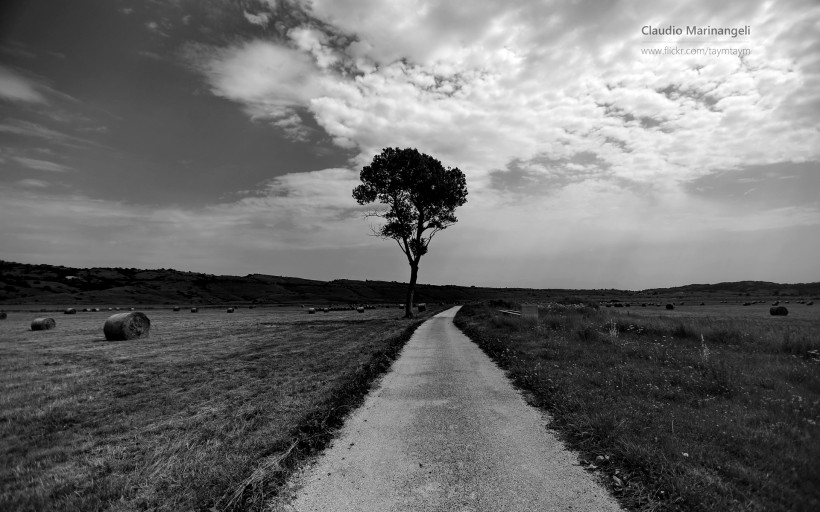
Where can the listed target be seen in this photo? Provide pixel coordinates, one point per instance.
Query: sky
(603, 146)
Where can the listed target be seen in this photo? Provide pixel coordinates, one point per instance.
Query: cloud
(41, 165)
(270, 80)
(29, 129)
(31, 183)
(260, 19)
(14, 87)
(307, 224)
(489, 84)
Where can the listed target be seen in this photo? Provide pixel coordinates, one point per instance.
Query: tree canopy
(420, 198)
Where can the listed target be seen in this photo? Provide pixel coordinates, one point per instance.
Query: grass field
(699, 408)
(211, 411)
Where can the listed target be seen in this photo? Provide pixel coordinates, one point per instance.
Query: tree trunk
(408, 305)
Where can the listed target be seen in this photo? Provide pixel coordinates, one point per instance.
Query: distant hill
(744, 287)
(22, 283)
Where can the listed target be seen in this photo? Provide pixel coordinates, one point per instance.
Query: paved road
(446, 431)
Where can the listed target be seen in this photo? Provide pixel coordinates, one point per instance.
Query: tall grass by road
(211, 412)
(674, 412)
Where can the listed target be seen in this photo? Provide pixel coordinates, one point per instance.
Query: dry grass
(691, 409)
(212, 410)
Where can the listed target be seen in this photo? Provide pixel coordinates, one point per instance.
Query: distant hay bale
(70, 311)
(97, 310)
(702, 303)
(776, 303)
(176, 308)
(326, 310)
(747, 303)
(194, 310)
(43, 324)
(778, 311)
(360, 309)
(810, 303)
(311, 311)
(230, 310)
(130, 309)
(127, 326)
(670, 306)
(3, 315)
(86, 310)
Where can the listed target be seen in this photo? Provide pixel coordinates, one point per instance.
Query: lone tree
(420, 197)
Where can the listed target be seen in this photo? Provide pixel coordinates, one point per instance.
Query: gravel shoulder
(445, 430)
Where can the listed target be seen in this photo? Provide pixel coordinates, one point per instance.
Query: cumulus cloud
(492, 83)
(260, 19)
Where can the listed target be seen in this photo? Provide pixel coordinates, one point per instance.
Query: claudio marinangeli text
(695, 30)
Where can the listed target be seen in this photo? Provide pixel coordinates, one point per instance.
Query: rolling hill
(28, 284)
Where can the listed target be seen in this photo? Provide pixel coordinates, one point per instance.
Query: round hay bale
(176, 308)
(702, 303)
(127, 326)
(360, 309)
(670, 306)
(43, 324)
(97, 310)
(194, 310)
(230, 310)
(70, 311)
(778, 311)
(3, 315)
(810, 303)
(776, 303)
(86, 310)
(326, 310)
(311, 311)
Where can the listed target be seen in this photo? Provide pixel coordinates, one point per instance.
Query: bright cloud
(15, 87)
(489, 83)
(41, 165)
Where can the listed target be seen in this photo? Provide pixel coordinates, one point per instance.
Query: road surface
(446, 431)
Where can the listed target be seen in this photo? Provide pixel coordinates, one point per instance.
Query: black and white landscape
(275, 254)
